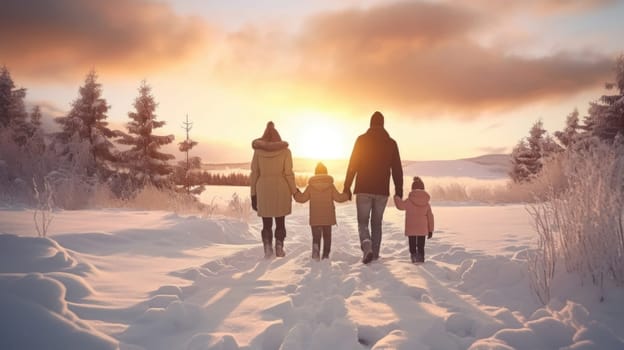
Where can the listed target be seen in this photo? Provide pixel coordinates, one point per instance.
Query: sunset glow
(454, 79)
(320, 137)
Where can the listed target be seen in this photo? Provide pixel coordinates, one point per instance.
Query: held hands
(348, 193)
(430, 235)
(254, 203)
(398, 192)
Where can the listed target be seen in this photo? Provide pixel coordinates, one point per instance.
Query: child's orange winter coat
(418, 215)
(321, 193)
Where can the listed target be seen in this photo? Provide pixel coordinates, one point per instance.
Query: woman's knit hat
(418, 183)
(271, 134)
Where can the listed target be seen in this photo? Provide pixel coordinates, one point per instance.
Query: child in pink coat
(418, 219)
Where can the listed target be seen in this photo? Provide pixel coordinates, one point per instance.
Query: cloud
(544, 7)
(52, 38)
(416, 57)
(398, 25)
(428, 58)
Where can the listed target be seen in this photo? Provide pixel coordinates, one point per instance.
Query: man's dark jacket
(374, 156)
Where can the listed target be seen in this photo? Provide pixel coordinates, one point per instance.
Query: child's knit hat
(320, 169)
(418, 183)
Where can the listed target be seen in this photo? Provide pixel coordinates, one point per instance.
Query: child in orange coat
(418, 219)
(321, 193)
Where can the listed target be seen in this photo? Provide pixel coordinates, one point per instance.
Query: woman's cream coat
(272, 181)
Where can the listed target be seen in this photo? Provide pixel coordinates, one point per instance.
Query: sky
(454, 79)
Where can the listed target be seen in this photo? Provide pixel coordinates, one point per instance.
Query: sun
(320, 138)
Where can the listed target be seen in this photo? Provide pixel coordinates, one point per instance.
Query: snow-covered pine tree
(21, 145)
(143, 160)
(87, 120)
(528, 156)
(7, 94)
(521, 156)
(13, 113)
(572, 130)
(606, 116)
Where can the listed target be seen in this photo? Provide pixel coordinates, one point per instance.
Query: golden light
(320, 137)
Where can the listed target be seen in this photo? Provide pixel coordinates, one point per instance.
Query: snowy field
(109, 279)
(133, 279)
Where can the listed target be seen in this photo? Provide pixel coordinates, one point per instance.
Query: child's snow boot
(414, 258)
(326, 247)
(279, 249)
(268, 249)
(316, 254)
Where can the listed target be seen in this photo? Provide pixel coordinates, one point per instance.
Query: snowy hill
(494, 166)
(125, 279)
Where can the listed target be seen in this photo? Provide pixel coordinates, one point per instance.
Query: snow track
(243, 301)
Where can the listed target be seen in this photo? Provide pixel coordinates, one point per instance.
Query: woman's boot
(280, 234)
(267, 243)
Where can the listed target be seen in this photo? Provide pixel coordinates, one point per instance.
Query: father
(375, 155)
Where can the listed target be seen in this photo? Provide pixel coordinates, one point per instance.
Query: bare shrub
(239, 208)
(210, 208)
(43, 212)
(542, 262)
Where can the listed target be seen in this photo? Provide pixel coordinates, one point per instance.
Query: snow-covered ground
(108, 279)
(131, 279)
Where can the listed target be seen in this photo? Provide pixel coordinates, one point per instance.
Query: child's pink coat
(418, 215)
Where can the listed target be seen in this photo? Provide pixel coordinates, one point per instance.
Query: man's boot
(367, 251)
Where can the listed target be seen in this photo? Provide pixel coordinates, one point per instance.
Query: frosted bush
(493, 191)
(154, 198)
(583, 221)
(149, 197)
(450, 192)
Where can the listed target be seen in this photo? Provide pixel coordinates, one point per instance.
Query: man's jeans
(370, 206)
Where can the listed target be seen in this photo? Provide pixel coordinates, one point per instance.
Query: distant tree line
(234, 179)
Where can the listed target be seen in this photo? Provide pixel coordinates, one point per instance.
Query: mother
(272, 187)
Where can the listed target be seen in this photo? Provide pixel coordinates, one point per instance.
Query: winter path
(156, 280)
